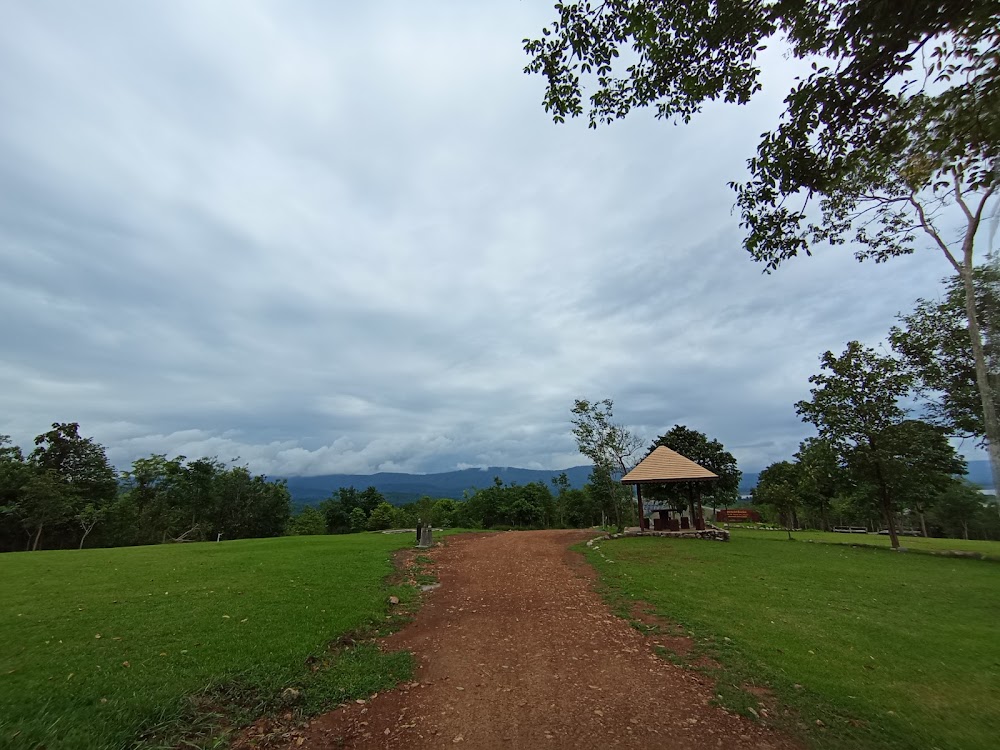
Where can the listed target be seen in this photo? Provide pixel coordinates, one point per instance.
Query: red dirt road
(516, 650)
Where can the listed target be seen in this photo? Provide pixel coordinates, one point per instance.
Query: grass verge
(104, 648)
(986, 548)
(846, 647)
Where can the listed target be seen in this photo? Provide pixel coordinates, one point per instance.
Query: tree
(443, 512)
(338, 520)
(855, 399)
(310, 521)
(180, 500)
(709, 453)
(609, 497)
(46, 502)
(88, 517)
(78, 461)
(156, 487)
(957, 507)
(820, 477)
(919, 464)
(610, 446)
(934, 341)
(600, 439)
(778, 486)
(424, 508)
(359, 521)
(14, 474)
(81, 468)
(248, 506)
(381, 517)
(369, 499)
(896, 125)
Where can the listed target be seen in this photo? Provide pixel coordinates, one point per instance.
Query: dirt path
(516, 650)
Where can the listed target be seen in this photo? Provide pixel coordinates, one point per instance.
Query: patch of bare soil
(515, 649)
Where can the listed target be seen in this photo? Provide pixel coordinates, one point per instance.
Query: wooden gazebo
(664, 466)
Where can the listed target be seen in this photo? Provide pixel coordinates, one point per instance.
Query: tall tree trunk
(990, 423)
(83, 538)
(964, 267)
(887, 509)
(923, 523)
(965, 530)
(38, 536)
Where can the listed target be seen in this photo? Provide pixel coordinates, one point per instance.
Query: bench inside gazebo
(665, 466)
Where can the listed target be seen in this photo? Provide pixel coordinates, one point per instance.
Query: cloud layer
(328, 241)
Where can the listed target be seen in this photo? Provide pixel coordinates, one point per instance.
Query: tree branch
(933, 234)
(958, 195)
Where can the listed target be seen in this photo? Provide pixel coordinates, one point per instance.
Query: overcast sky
(330, 239)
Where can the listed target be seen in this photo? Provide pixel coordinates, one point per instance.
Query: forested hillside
(400, 489)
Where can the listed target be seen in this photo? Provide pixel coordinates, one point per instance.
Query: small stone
(819, 723)
(797, 686)
(458, 738)
(291, 695)
(393, 600)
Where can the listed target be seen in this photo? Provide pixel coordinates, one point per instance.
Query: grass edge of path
(349, 667)
(799, 714)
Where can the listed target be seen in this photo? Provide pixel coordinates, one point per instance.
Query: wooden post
(638, 494)
(701, 511)
(694, 521)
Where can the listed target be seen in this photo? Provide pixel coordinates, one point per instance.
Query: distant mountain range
(400, 489)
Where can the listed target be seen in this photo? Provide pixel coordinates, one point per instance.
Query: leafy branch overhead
(890, 139)
(899, 97)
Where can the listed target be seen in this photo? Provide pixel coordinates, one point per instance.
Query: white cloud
(329, 241)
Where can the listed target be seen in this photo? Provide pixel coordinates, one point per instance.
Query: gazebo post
(638, 494)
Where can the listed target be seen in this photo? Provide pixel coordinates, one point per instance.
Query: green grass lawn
(878, 540)
(887, 650)
(98, 647)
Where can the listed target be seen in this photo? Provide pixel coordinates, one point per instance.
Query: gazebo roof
(664, 465)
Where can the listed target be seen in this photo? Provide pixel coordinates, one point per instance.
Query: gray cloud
(324, 240)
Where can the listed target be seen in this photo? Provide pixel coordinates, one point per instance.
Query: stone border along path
(516, 650)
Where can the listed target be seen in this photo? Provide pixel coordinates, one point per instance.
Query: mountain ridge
(401, 488)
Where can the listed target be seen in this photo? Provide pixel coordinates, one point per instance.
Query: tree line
(883, 455)
(500, 506)
(65, 493)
